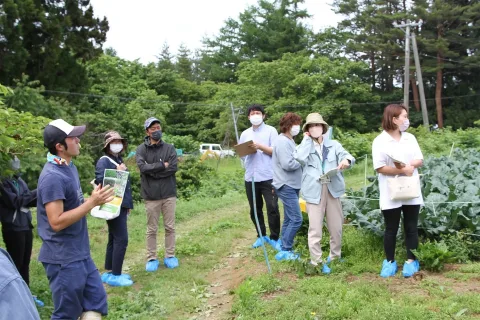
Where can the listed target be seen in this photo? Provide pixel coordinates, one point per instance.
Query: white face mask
(116, 147)
(404, 126)
(295, 130)
(256, 119)
(316, 132)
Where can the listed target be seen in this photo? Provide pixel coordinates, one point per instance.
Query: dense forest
(53, 65)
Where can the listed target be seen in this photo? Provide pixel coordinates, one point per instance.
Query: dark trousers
(264, 190)
(410, 225)
(19, 246)
(76, 287)
(117, 242)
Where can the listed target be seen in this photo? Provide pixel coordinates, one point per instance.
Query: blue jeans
(292, 220)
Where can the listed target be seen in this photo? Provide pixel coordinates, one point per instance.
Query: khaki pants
(332, 208)
(167, 208)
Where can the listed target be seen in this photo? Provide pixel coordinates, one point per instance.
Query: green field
(221, 277)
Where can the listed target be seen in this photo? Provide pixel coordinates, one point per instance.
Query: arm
(102, 164)
(14, 200)
(285, 156)
(346, 160)
(59, 220)
(172, 161)
(147, 168)
(303, 150)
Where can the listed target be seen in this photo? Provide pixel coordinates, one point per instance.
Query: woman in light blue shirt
(287, 179)
(322, 186)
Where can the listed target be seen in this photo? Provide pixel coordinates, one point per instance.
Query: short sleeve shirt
(259, 164)
(61, 182)
(406, 150)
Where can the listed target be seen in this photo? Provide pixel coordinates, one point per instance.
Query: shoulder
(380, 138)
(271, 128)
(409, 136)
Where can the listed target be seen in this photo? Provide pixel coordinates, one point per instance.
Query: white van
(217, 149)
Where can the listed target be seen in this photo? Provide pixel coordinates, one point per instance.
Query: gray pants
(154, 208)
(332, 208)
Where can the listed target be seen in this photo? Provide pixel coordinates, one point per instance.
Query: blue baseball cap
(150, 121)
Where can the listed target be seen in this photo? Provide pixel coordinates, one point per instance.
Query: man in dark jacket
(157, 162)
(16, 218)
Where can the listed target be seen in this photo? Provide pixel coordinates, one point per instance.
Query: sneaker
(38, 302)
(410, 268)
(119, 281)
(105, 276)
(286, 255)
(259, 241)
(170, 263)
(152, 265)
(388, 269)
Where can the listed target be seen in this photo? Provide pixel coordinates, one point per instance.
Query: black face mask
(156, 135)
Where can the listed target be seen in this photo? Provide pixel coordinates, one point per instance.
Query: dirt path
(226, 276)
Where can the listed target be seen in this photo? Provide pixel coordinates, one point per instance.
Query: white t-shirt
(405, 150)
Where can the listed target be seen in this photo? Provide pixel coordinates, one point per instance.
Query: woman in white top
(395, 143)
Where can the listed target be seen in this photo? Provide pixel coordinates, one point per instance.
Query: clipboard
(396, 160)
(243, 149)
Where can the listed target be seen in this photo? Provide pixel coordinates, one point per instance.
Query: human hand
(408, 170)
(122, 167)
(343, 165)
(102, 195)
(256, 146)
(398, 165)
(165, 164)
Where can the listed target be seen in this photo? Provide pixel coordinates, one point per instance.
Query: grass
(207, 232)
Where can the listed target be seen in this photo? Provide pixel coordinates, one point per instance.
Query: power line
(227, 106)
(450, 60)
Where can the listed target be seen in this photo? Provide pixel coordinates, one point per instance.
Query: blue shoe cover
(152, 265)
(286, 255)
(388, 269)
(170, 263)
(105, 276)
(38, 302)
(258, 242)
(409, 269)
(119, 281)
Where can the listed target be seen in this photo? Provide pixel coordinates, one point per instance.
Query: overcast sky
(139, 28)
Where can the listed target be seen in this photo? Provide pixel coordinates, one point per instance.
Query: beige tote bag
(403, 187)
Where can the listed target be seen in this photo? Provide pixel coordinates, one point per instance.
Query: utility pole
(406, 81)
(420, 82)
(234, 121)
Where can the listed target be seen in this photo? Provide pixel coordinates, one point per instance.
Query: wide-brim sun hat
(113, 135)
(315, 118)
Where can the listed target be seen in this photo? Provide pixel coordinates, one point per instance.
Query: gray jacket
(16, 301)
(312, 168)
(158, 182)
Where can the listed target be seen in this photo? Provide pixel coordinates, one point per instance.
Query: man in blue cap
(157, 162)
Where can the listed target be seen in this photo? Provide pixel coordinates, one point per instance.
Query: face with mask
(315, 130)
(15, 164)
(116, 147)
(295, 130)
(256, 117)
(155, 132)
(402, 121)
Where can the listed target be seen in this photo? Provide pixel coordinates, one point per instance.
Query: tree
(264, 32)
(49, 41)
(165, 58)
(184, 63)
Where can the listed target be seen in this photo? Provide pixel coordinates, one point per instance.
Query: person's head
(315, 125)
(256, 114)
(153, 128)
(62, 139)
(290, 123)
(114, 143)
(15, 163)
(395, 117)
